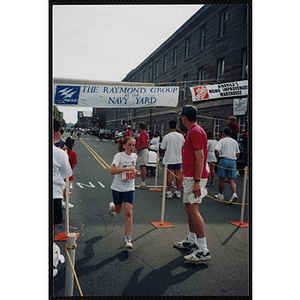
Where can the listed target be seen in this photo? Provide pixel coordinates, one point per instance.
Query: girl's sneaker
(128, 242)
(112, 213)
(141, 185)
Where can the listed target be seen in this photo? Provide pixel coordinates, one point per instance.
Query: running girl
(123, 187)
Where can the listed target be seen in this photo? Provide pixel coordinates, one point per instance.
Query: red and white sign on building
(222, 90)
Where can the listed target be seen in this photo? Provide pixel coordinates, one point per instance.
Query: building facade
(209, 48)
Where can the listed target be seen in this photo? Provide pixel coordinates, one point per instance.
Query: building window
(162, 128)
(200, 76)
(144, 76)
(223, 24)
(202, 37)
(217, 127)
(165, 63)
(174, 56)
(187, 47)
(150, 73)
(185, 86)
(156, 68)
(244, 64)
(241, 120)
(221, 69)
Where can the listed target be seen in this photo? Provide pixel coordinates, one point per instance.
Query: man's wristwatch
(196, 180)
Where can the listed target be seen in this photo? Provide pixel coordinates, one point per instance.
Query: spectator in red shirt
(129, 132)
(194, 174)
(234, 127)
(143, 153)
(70, 143)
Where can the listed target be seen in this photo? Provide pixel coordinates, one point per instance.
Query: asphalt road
(153, 267)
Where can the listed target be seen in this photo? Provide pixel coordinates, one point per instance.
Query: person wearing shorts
(227, 151)
(143, 154)
(123, 167)
(172, 144)
(61, 170)
(194, 175)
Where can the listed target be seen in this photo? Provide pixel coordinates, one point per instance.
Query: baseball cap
(188, 110)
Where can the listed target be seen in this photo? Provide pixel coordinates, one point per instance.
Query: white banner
(114, 96)
(222, 90)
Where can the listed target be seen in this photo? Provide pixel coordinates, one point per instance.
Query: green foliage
(57, 115)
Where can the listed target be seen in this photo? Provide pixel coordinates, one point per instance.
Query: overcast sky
(105, 42)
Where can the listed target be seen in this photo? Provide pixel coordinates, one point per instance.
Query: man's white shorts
(143, 158)
(188, 183)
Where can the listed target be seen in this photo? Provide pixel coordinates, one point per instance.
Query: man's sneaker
(128, 242)
(219, 196)
(177, 195)
(169, 195)
(141, 185)
(233, 198)
(185, 244)
(197, 256)
(64, 205)
(112, 213)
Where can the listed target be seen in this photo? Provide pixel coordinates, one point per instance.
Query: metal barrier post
(69, 278)
(156, 172)
(244, 195)
(67, 229)
(164, 195)
(241, 223)
(162, 223)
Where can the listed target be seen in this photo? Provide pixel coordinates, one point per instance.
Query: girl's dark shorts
(57, 211)
(120, 197)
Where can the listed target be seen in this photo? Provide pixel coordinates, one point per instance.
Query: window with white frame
(200, 76)
(162, 128)
(202, 37)
(221, 69)
(165, 63)
(185, 86)
(217, 127)
(187, 47)
(150, 73)
(223, 23)
(241, 120)
(244, 64)
(174, 56)
(156, 68)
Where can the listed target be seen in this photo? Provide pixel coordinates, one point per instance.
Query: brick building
(209, 48)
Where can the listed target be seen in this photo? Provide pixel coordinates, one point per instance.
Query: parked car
(107, 134)
(120, 134)
(95, 131)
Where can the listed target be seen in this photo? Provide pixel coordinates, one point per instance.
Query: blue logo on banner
(66, 94)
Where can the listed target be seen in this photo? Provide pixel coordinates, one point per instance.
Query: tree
(57, 115)
(78, 124)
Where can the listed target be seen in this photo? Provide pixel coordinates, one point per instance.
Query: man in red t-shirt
(143, 153)
(129, 132)
(194, 175)
(234, 127)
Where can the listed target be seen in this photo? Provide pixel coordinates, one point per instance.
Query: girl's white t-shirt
(124, 182)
